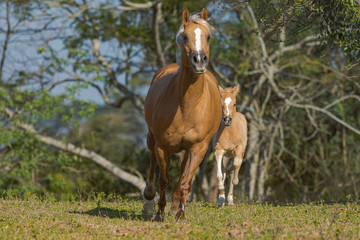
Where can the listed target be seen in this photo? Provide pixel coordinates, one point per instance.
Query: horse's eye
(235, 105)
(208, 38)
(185, 38)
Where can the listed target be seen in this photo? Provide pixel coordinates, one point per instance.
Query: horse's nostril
(195, 59)
(205, 58)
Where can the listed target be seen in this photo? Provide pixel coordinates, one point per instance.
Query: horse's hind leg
(163, 160)
(149, 191)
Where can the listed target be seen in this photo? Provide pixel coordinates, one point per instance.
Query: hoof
(173, 211)
(149, 195)
(158, 218)
(230, 203)
(221, 201)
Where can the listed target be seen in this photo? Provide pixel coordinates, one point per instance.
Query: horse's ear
(236, 89)
(204, 14)
(221, 90)
(185, 16)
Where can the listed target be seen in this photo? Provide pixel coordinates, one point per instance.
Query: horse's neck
(190, 86)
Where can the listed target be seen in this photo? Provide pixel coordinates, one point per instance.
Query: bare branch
(258, 33)
(307, 41)
(139, 5)
(342, 99)
(136, 99)
(136, 181)
(6, 40)
(222, 76)
(157, 16)
(78, 79)
(323, 110)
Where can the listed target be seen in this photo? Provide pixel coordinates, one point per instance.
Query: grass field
(122, 218)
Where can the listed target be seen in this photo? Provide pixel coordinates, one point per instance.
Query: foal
(229, 141)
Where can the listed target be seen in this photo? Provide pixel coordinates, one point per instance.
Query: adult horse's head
(193, 40)
(228, 101)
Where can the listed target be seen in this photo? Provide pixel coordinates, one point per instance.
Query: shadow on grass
(114, 213)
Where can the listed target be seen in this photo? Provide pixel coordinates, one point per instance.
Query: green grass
(49, 219)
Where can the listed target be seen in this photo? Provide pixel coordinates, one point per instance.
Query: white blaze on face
(227, 102)
(198, 39)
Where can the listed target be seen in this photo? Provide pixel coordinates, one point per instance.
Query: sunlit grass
(46, 218)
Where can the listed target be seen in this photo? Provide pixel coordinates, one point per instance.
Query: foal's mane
(195, 18)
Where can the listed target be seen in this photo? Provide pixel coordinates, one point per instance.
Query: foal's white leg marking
(198, 40)
(230, 198)
(219, 155)
(227, 102)
(221, 174)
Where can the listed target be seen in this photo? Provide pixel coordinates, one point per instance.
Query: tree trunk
(252, 155)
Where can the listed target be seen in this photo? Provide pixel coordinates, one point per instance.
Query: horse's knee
(235, 180)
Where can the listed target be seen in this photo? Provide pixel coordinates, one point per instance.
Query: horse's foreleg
(221, 175)
(196, 155)
(237, 163)
(176, 197)
(163, 161)
(149, 191)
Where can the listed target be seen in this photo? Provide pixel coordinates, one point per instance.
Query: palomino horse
(229, 141)
(182, 111)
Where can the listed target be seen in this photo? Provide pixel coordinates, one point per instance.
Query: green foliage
(324, 165)
(341, 21)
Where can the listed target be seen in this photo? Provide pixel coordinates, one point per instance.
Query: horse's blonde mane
(195, 18)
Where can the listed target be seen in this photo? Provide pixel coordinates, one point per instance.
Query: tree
(298, 92)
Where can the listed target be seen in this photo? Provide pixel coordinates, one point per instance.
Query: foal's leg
(230, 198)
(163, 161)
(177, 195)
(149, 191)
(239, 154)
(196, 155)
(221, 175)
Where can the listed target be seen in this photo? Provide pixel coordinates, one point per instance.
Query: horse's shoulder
(168, 69)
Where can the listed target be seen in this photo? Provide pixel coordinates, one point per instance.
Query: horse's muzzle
(227, 120)
(199, 61)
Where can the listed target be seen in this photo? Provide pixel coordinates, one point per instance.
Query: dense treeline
(296, 63)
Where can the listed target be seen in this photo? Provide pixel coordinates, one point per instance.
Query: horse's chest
(187, 129)
(228, 141)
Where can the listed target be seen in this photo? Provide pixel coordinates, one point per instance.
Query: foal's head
(228, 101)
(193, 41)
